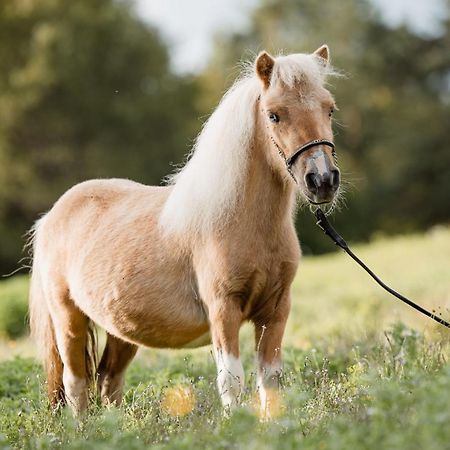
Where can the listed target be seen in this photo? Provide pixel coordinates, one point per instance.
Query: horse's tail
(41, 326)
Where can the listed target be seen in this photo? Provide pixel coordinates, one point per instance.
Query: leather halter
(291, 160)
(300, 150)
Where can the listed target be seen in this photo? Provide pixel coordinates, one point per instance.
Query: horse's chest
(253, 276)
(266, 287)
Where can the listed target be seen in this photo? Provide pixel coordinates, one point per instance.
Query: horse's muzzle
(322, 187)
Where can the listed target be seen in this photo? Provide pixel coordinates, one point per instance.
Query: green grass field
(362, 371)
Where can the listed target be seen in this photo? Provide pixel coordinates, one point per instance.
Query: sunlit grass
(333, 295)
(361, 371)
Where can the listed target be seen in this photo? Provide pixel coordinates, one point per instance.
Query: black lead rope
(323, 223)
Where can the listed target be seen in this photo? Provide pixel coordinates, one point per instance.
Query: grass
(362, 371)
(13, 307)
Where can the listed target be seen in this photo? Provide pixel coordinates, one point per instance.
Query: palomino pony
(186, 264)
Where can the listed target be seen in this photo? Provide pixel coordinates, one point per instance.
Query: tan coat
(102, 254)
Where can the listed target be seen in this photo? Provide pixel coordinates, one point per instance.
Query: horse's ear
(324, 53)
(264, 67)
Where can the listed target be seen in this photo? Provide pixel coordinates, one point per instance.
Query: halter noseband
(291, 160)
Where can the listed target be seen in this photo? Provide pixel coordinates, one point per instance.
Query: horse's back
(101, 194)
(91, 209)
(84, 213)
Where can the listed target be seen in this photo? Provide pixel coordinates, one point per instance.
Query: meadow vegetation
(361, 370)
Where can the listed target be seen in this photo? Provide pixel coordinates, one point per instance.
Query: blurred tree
(392, 131)
(85, 91)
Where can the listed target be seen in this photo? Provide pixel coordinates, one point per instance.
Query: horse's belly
(144, 312)
(164, 331)
(162, 324)
(201, 341)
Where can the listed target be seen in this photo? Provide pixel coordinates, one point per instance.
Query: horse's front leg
(269, 331)
(225, 317)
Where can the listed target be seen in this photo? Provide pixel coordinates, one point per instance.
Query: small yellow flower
(178, 400)
(273, 406)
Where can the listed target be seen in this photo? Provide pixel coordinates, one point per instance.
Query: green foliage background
(86, 90)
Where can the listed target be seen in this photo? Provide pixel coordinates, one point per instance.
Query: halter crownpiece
(291, 160)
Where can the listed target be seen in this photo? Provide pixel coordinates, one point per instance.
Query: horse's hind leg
(71, 331)
(111, 370)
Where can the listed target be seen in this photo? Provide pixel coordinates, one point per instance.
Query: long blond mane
(205, 190)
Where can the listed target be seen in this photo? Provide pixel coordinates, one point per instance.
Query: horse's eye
(275, 118)
(330, 114)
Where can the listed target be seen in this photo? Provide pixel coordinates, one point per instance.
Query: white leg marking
(267, 383)
(230, 378)
(75, 389)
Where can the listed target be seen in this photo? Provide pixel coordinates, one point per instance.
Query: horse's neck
(269, 196)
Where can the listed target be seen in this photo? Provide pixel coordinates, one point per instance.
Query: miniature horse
(186, 264)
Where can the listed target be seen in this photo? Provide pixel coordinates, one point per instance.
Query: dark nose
(322, 186)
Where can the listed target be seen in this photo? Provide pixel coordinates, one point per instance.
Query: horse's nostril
(335, 178)
(323, 186)
(326, 180)
(311, 181)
